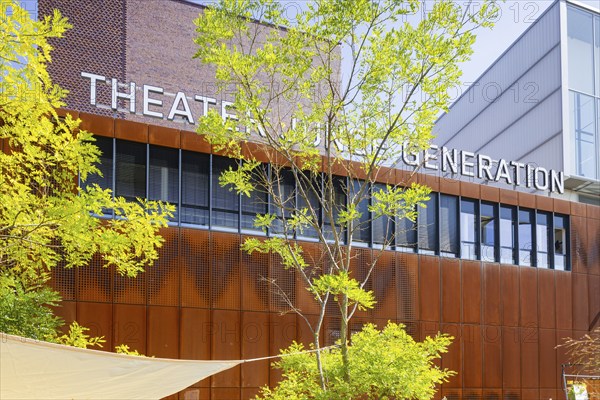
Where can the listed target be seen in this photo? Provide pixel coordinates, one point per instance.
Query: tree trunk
(344, 337)
(319, 361)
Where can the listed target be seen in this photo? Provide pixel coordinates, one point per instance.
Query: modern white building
(539, 103)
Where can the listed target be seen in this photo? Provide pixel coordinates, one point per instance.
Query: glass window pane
(428, 226)
(195, 171)
(526, 237)
(406, 234)
(284, 203)
(561, 242)
(597, 53)
(488, 231)
(468, 229)
(309, 194)
(105, 165)
(383, 227)
(163, 175)
(583, 124)
(225, 202)
(131, 170)
(543, 240)
(362, 229)
(580, 47)
(257, 203)
(508, 224)
(449, 225)
(337, 190)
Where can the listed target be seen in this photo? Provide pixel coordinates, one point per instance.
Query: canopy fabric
(31, 369)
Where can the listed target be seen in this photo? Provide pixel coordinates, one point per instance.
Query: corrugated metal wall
(514, 110)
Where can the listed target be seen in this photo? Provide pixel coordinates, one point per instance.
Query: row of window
(449, 226)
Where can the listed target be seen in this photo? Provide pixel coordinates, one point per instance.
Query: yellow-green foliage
(342, 89)
(386, 364)
(46, 219)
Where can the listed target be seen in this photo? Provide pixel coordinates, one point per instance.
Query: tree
(584, 357)
(46, 219)
(342, 92)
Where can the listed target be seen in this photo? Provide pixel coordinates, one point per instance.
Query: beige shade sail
(31, 369)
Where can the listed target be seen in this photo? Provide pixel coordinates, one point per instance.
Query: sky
(515, 17)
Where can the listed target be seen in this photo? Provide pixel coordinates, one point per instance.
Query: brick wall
(96, 44)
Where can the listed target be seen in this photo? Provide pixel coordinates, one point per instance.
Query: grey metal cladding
(547, 155)
(536, 85)
(529, 132)
(535, 44)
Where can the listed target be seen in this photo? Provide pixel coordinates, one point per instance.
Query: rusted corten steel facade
(206, 299)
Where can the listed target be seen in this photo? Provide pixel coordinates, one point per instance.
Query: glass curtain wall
(583, 31)
(469, 233)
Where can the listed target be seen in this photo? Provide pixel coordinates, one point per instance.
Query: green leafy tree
(385, 364)
(584, 358)
(46, 219)
(332, 99)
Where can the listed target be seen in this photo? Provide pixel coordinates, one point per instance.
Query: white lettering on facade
(93, 79)
(540, 183)
(484, 167)
(186, 112)
(450, 159)
(116, 95)
(148, 101)
(430, 158)
(502, 172)
(517, 168)
(467, 168)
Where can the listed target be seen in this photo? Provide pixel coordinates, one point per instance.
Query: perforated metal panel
(94, 282)
(195, 268)
(384, 286)
(407, 276)
(255, 275)
(225, 271)
(63, 281)
(359, 268)
(130, 290)
(283, 285)
(313, 255)
(163, 276)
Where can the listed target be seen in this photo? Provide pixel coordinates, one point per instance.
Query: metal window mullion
(321, 216)
(438, 211)
(567, 239)
(147, 171)
(210, 191)
(180, 186)
(458, 222)
(269, 205)
(478, 235)
(114, 173)
(345, 233)
(517, 245)
(370, 215)
(240, 204)
(295, 205)
(497, 233)
(534, 239)
(551, 241)
(597, 135)
(438, 219)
